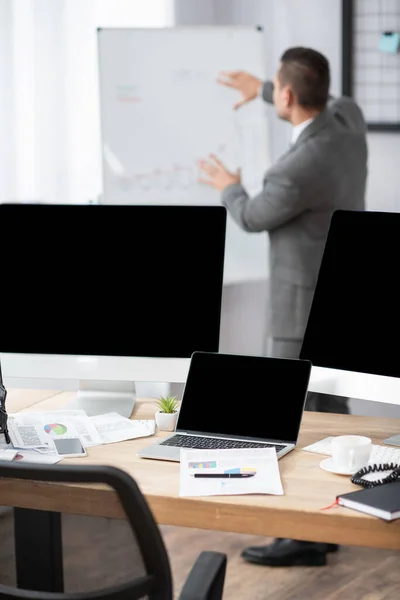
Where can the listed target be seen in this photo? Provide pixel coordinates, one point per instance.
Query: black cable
(358, 478)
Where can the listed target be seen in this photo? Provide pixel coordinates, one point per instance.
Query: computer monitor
(353, 327)
(104, 296)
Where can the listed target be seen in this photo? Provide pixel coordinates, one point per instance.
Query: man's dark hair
(307, 73)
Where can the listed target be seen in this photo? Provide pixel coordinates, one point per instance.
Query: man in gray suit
(324, 169)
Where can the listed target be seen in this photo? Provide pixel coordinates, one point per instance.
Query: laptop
(237, 401)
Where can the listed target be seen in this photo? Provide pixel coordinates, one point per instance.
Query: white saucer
(328, 465)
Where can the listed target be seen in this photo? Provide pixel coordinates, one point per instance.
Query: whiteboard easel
(162, 111)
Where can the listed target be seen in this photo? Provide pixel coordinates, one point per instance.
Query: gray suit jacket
(325, 170)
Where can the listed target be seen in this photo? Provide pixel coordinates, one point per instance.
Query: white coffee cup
(351, 452)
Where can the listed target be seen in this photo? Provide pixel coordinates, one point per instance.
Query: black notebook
(381, 501)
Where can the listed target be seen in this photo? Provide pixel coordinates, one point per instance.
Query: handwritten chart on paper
(162, 111)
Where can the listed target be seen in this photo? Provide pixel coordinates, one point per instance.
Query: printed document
(27, 433)
(8, 455)
(229, 472)
(32, 456)
(38, 429)
(112, 427)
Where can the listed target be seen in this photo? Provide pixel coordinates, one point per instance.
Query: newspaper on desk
(259, 464)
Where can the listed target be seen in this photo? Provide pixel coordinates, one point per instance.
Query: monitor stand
(101, 397)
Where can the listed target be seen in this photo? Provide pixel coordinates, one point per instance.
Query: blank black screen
(248, 396)
(111, 280)
(354, 321)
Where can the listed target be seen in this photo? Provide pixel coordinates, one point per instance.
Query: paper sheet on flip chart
(262, 463)
(112, 427)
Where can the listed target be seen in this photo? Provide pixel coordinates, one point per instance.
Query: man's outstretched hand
(248, 85)
(218, 175)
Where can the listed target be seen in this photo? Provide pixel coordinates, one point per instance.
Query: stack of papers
(229, 472)
(32, 433)
(38, 429)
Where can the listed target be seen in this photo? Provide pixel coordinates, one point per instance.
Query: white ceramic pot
(166, 421)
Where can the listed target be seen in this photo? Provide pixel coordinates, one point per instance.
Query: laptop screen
(244, 396)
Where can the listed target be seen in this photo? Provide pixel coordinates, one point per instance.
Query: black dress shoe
(285, 552)
(330, 547)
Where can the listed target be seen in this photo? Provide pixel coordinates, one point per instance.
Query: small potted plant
(167, 413)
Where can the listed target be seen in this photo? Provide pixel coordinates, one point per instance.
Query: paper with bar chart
(229, 472)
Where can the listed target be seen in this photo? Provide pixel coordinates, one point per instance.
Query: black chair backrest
(155, 581)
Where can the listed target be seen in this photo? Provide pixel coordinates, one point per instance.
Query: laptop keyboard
(206, 443)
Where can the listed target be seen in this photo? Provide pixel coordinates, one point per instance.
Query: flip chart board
(162, 111)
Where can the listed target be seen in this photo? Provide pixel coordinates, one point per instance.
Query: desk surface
(297, 514)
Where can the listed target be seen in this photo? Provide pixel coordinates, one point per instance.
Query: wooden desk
(297, 514)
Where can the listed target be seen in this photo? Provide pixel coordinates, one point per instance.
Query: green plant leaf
(168, 404)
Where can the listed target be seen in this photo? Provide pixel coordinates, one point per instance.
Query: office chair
(63, 556)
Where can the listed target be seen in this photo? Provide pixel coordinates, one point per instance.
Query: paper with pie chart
(70, 423)
(260, 463)
(60, 429)
(38, 430)
(56, 429)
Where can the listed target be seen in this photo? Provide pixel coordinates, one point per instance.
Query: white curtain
(49, 107)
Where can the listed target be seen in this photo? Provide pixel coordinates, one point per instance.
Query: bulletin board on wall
(371, 60)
